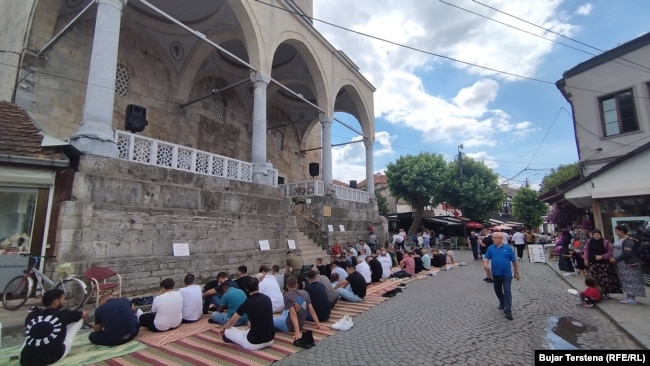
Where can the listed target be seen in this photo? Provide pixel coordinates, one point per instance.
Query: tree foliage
(564, 214)
(476, 192)
(527, 208)
(382, 204)
(558, 176)
(417, 179)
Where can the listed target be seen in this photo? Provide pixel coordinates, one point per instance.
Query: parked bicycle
(20, 288)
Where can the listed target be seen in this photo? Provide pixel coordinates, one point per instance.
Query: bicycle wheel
(15, 293)
(75, 293)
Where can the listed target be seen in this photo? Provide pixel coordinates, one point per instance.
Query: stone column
(95, 135)
(326, 158)
(258, 149)
(370, 174)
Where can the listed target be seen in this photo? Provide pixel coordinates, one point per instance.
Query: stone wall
(127, 215)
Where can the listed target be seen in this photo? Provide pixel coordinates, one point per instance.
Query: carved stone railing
(150, 151)
(317, 188)
(309, 188)
(350, 194)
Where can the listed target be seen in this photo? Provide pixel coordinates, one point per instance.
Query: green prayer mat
(82, 352)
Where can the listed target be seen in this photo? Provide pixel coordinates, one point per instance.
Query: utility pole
(460, 161)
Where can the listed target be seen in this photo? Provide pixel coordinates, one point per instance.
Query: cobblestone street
(453, 319)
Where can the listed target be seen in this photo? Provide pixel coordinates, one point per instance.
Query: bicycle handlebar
(37, 256)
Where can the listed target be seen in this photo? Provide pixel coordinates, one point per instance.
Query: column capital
(257, 78)
(325, 119)
(368, 143)
(118, 4)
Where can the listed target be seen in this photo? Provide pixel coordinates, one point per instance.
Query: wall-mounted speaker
(353, 184)
(314, 169)
(135, 118)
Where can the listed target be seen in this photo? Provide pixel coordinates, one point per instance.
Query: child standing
(591, 294)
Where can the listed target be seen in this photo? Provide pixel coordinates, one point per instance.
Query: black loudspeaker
(314, 169)
(353, 184)
(135, 119)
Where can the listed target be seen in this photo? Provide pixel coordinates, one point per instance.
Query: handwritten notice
(292, 244)
(264, 245)
(181, 249)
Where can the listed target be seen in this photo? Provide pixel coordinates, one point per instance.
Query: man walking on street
(500, 256)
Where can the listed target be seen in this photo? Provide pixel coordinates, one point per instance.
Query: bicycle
(20, 288)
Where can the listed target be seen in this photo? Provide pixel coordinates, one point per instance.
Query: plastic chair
(99, 279)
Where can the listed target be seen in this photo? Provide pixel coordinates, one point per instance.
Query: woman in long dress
(597, 253)
(628, 265)
(565, 262)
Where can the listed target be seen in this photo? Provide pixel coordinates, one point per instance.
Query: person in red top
(337, 249)
(591, 294)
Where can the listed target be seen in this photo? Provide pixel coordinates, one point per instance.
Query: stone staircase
(309, 251)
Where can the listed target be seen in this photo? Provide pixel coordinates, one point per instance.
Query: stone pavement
(453, 319)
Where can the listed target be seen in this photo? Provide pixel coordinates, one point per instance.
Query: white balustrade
(150, 151)
(350, 194)
(317, 188)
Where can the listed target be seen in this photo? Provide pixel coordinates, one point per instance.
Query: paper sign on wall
(264, 245)
(181, 249)
(292, 244)
(342, 227)
(330, 227)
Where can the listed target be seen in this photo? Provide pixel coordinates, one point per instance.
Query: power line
(519, 29)
(556, 33)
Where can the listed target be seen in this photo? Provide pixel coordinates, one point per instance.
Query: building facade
(191, 115)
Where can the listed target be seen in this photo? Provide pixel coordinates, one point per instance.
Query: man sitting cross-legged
(231, 300)
(115, 322)
(297, 304)
(319, 297)
(260, 314)
(270, 287)
(353, 287)
(192, 299)
(408, 267)
(166, 309)
(212, 291)
(50, 331)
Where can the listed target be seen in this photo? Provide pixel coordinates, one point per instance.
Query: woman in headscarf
(596, 254)
(565, 262)
(628, 266)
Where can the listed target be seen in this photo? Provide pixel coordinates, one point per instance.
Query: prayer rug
(159, 339)
(208, 348)
(82, 352)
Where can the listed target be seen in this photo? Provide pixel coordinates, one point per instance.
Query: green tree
(527, 208)
(558, 176)
(418, 180)
(476, 191)
(382, 204)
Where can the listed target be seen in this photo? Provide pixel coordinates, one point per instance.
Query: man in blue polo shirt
(500, 257)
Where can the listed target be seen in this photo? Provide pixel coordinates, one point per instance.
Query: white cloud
(384, 140)
(484, 157)
(585, 9)
(349, 161)
(402, 97)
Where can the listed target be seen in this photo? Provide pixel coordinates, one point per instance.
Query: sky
(520, 128)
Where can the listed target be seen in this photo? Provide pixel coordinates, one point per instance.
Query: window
(618, 113)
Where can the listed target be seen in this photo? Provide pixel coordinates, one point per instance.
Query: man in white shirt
(192, 295)
(364, 269)
(365, 250)
(519, 239)
(270, 287)
(353, 250)
(386, 263)
(341, 274)
(166, 309)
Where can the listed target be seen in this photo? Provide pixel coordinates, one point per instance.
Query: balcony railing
(310, 188)
(350, 194)
(150, 151)
(317, 188)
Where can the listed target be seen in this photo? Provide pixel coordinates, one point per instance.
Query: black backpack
(642, 246)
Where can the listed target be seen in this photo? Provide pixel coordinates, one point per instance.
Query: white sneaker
(138, 312)
(344, 324)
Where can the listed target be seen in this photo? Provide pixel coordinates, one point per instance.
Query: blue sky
(426, 103)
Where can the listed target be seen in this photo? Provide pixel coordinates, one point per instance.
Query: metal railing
(150, 151)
